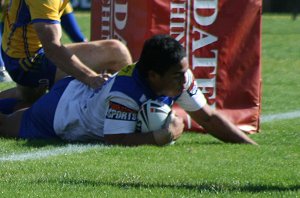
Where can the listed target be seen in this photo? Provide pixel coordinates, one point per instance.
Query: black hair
(159, 54)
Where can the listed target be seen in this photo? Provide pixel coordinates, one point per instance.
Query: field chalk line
(75, 148)
(280, 116)
(68, 149)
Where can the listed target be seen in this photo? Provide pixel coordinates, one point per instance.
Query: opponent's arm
(218, 126)
(50, 35)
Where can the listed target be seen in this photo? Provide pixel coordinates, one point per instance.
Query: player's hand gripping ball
(152, 116)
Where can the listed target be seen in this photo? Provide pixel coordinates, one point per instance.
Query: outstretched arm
(218, 126)
(170, 132)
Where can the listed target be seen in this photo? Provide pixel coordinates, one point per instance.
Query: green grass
(281, 63)
(197, 165)
(83, 19)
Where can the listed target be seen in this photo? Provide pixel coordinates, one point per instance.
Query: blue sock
(7, 105)
(71, 27)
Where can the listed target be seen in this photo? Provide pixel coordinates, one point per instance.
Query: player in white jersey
(72, 111)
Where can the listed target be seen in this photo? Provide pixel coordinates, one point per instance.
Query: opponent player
(35, 57)
(74, 112)
(68, 22)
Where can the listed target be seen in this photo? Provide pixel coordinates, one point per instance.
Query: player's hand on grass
(170, 132)
(175, 125)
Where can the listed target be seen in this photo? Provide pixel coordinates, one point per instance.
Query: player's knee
(120, 53)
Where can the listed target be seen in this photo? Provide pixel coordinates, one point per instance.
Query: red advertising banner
(222, 40)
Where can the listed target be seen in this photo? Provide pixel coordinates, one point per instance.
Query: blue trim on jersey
(50, 21)
(37, 121)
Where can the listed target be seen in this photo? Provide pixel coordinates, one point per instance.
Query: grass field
(196, 166)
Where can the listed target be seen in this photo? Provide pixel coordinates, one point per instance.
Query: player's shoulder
(128, 82)
(125, 79)
(127, 70)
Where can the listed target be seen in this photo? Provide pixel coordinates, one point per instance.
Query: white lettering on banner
(205, 4)
(178, 20)
(206, 62)
(120, 15)
(114, 15)
(204, 39)
(180, 27)
(208, 84)
(105, 20)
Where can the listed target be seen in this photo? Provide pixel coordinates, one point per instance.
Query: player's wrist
(162, 137)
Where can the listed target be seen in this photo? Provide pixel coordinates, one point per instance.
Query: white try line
(75, 148)
(280, 116)
(68, 149)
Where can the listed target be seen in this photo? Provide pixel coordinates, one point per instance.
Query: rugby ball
(152, 116)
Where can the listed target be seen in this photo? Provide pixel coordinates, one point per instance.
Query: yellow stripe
(28, 63)
(127, 71)
(22, 65)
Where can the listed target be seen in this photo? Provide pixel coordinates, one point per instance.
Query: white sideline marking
(280, 116)
(75, 148)
(70, 148)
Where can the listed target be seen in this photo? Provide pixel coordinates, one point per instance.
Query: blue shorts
(37, 121)
(35, 71)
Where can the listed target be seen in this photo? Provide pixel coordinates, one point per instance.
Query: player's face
(172, 83)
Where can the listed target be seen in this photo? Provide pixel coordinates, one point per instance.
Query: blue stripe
(45, 21)
(23, 15)
(26, 48)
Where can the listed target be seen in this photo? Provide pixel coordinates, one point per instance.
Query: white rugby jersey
(85, 114)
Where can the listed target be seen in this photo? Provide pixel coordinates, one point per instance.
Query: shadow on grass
(198, 142)
(43, 143)
(202, 187)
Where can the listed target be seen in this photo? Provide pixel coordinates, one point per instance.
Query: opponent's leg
(101, 55)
